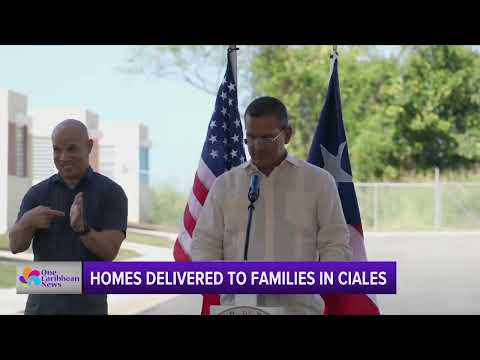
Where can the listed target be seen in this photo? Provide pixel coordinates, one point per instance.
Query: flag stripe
(359, 228)
(194, 206)
(206, 176)
(179, 253)
(185, 241)
(189, 222)
(357, 244)
(199, 190)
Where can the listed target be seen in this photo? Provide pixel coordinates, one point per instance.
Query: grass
(4, 242)
(149, 240)
(125, 254)
(170, 227)
(7, 275)
(131, 237)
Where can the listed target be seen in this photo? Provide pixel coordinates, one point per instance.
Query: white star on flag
(214, 154)
(213, 138)
(237, 122)
(213, 124)
(224, 95)
(235, 138)
(230, 102)
(333, 163)
(224, 126)
(242, 158)
(233, 153)
(224, 111)
(231, 87)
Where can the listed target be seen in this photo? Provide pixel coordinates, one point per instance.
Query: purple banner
(232, 277)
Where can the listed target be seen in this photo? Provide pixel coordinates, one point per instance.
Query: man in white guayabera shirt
(298, 215)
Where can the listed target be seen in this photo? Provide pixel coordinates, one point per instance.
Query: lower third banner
(238, 277)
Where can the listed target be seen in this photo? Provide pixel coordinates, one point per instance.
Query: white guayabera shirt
(298, 217)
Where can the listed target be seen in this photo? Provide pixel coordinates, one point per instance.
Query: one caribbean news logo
(30, 278)
(49, 277)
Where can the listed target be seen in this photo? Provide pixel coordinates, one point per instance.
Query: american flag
(222, 150)
(329, 150)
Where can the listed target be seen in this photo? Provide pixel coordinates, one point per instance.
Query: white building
(124, 158)
(43, 123)
(15, 155)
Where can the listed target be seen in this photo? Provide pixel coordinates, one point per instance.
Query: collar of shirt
(87, 177)
(250, 167)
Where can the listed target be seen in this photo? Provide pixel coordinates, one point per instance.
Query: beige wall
(17, 188)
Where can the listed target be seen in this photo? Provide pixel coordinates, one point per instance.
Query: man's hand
(76, 213)
(41, 217)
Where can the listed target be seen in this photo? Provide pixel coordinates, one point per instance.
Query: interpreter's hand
(76, 213)
(40, 217)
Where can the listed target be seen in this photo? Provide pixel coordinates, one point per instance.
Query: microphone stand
(249, 224)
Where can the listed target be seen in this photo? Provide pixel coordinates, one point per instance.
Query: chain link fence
(429, 206)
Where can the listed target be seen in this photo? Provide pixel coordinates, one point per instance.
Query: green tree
(416, 110)
(299, 76)
(168, 206)
(440, 122)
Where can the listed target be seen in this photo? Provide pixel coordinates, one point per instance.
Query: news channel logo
(49, 277)
(29, 278)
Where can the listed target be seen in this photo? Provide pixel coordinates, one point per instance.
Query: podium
(245, 304)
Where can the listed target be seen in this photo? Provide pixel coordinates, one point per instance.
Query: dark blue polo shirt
(105, 208)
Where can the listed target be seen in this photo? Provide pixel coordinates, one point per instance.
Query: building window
(107, 161)
(144, 165)
(42, 157)
(17, 150)
(143, 178)
(21, 151)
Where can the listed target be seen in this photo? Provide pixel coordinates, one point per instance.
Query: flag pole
(232, 53)
(333, 57)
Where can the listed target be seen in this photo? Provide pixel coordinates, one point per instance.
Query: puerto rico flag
(329, 150)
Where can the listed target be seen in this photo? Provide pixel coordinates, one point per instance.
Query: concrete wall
(13, 110)
(3, 159)
(17, 188)
(123, 140)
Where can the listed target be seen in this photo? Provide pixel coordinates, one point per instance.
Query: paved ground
(437, 273)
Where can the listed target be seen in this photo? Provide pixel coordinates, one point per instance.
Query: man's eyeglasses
(266, 140)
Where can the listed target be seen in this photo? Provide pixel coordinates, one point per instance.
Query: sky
(88, 77)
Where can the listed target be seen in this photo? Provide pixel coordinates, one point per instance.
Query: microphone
(254, 191)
